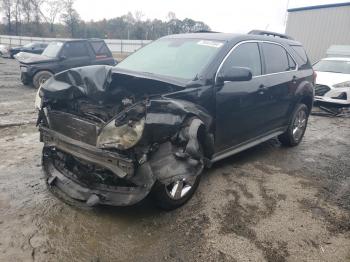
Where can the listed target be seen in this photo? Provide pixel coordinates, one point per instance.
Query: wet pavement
(269, 203)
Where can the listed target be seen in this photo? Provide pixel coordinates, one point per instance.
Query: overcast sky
(221, 15)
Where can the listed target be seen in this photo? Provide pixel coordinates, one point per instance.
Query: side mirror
(235, 73)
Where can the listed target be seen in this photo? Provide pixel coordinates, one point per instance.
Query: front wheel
(40, 78)
(173, 195)
(24, 80)
(297, 127)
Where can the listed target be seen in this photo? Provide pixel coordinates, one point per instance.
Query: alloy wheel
(299, 125)
(180, 188)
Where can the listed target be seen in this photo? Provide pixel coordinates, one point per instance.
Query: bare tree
(70, 17)
(171, 16)
(38, 14)
(54, 8)
(139, 15)
(16, 13)
(26, 10)
(7, 6)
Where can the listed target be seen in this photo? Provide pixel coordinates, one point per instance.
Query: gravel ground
(266, 204)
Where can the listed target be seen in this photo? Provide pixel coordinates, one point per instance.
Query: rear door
(280, 75)
(75, 54)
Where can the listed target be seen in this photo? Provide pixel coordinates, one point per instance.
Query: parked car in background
(151, 124)
(333, 81)
(34, 48)
(3, 50)
(60, 56)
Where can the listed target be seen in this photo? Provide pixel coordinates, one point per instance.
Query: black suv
(60, 56)
(112, 135)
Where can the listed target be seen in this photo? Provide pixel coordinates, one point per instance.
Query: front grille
(320, 90)
(73, 126)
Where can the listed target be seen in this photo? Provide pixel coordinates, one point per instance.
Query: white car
(333, 81)
(3, 50)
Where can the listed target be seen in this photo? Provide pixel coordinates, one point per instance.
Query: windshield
(333, 66)
(178, 58)
(52, 49)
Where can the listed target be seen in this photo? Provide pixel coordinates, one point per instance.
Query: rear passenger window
(300, 51)
(100, 48)
(75, 49)
(245, 55)
(292, 64)
(277, 59)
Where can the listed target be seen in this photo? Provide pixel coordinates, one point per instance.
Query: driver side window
(75, 49)
(245, 55)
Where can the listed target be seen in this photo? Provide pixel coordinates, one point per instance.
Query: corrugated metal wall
(318, 29)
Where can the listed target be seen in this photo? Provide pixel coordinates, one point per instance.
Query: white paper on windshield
(210, 43)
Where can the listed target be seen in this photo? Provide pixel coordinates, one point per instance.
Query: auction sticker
(210, 43)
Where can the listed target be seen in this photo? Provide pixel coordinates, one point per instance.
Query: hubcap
(299, 125)
(180, 188)
(43, 80)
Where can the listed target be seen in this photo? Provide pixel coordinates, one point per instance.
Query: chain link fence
(121, 46)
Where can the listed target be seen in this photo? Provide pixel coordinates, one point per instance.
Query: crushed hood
(101, 83)
(29, 58)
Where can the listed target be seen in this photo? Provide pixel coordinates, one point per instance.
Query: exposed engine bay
(110, 136)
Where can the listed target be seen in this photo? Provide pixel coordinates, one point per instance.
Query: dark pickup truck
(63, 55)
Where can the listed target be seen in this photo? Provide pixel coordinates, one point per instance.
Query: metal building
(319, 27)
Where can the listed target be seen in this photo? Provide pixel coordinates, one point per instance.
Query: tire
(24, 80)
(40, 78)
(297, 126)
(162, 195)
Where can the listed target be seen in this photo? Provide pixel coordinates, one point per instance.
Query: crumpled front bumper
(116, 196)
(335, 97)
(323, 100)
(65, 182)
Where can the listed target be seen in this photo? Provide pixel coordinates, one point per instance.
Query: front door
(241, 106)
(75, 54)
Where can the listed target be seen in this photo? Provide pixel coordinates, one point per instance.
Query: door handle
(262, 89)
(294, 80)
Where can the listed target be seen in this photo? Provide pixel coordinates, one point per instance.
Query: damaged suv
(151, 124)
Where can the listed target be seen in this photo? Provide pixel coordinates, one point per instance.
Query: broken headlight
(123, 136)
(343, 84)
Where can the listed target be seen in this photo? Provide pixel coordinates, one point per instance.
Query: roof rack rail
(268, 33)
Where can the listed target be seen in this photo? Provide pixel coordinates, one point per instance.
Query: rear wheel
(297, 127)
(40, 78)
(173, 195)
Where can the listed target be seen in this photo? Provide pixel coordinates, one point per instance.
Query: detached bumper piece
(72, 177)
(332, 101)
